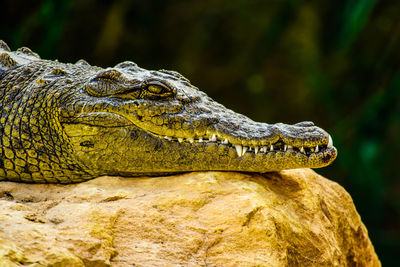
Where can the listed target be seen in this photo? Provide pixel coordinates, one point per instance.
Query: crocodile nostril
(305, 124)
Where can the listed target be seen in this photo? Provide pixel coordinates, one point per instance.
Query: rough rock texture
(291, 218)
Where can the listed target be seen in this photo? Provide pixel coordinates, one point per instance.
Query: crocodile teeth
(316, 149)
(289, 147)
(284, 147)
(264, 149)
(225, 142)
(238, 150)
(256, 150)
(302, 149)
(168, 138)
(330, 142)
(190, 140)
(244, 150)
(180, 140)
(271, 148)
(213, 138)
(200, 139)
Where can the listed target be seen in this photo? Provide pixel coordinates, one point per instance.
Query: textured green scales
(65, 123)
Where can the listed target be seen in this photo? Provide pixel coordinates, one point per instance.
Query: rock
(291, 218)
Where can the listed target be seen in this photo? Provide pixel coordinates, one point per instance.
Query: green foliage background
(336, 63)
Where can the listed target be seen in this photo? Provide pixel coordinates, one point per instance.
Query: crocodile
(68, 123)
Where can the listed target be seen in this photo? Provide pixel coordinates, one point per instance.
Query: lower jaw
(271, 160)
(214, 160)
(227, 162)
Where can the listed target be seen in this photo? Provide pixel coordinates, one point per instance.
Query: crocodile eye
(157, 91)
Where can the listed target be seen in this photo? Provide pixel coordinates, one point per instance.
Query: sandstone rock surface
(291, 218)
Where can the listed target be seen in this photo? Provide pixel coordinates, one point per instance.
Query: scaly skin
(66, 123)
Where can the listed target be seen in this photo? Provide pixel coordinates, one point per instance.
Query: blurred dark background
(336, 63)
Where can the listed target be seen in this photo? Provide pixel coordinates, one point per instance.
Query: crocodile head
(130, 121)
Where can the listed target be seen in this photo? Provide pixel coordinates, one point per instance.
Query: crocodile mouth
(276, 147)
(112, 120)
